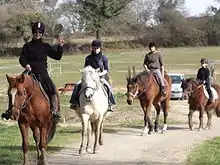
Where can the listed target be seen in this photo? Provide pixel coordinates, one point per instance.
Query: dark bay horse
(144, 87)
(31, 109)
(199, 102)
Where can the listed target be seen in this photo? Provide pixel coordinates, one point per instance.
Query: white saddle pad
(215, 94)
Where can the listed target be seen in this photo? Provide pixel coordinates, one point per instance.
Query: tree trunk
(97, 33)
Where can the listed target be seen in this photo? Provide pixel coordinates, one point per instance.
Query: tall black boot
(7, 114)
(54, 107)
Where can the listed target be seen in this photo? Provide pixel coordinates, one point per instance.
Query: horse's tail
(52, 129)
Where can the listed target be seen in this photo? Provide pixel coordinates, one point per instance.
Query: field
(181, 60)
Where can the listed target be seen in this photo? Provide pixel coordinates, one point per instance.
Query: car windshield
(176, 79)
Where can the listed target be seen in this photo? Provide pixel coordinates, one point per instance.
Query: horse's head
(134, 86)
(192, 86)
(90, 81)
(18, 94)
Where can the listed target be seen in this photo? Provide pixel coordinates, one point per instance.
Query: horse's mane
(91, 71)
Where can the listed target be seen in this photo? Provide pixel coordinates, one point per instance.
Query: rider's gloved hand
(103, 73)
(28, 67)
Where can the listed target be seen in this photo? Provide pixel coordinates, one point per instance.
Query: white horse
(93, 108)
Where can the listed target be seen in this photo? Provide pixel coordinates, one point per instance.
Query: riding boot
(163, 91)
(112, 102)
(74, 100)
(7, 114)
(54, 107)
(211, 98)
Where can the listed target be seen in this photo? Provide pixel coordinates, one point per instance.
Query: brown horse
(31, 109)
(144, 86)
(199, 101)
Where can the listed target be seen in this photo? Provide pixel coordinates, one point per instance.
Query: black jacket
(35, 54)
(204, 75)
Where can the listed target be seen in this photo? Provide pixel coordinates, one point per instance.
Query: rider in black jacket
(34, 58)
(204, 76)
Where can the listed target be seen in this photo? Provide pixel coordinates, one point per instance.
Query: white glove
(103, 73)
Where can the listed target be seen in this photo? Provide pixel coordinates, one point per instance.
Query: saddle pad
(215, 94)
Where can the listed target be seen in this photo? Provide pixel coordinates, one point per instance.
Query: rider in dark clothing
(96, 60)
(204, 76)
(34, 58)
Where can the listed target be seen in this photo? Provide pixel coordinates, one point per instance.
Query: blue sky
(196, 7)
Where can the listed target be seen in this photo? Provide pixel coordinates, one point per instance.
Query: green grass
(10, 143)
(206, 154)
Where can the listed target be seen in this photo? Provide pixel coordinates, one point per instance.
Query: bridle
(137, 94)
(25, 101)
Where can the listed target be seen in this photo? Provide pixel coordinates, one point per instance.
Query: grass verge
(206, 153)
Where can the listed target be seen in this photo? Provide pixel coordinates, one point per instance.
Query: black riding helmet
(204, 61)
(38, 27)
(96, 43)
(152, 44)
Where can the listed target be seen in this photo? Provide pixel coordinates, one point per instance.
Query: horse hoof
(163, 131)
(81, 152)
(200, 129)
(89, 150)
(156, 130)
(101, 143)
(150, 132)
(95, 151)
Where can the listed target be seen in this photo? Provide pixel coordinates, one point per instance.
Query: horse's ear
(21, 78)
(9, 79)
(97, 70)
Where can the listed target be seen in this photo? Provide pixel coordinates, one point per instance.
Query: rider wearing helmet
(96, 60)
(34, 58)
(153, 63)
(204, 76)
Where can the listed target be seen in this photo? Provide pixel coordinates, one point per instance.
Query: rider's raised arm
(52, 53)
(23, 57)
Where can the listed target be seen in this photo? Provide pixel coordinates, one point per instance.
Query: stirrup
(56, 116)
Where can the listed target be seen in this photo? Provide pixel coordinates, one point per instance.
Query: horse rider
(153, 63)
(34, 58)
(96, 60)
(204, 76)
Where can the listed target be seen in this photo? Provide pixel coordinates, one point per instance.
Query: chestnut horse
(144, 86)
(199, 101)
(31, 109)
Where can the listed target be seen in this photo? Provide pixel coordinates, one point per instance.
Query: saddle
(215, 94)
(37, 79)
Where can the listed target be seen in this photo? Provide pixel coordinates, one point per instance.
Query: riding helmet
(38, 27)
(96, 43)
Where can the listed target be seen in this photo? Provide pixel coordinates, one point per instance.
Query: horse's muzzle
(129, 101)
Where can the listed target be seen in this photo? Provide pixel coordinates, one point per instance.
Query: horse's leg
(209, 116)
(165, 107)
(84, 119)
(145, 120)
(101, 132)
(201, 112)
(89, 133)
(190, 119)
(97, 134)
(36, 135)
(24, 134)
(157, 107)
(148, 118)
(43, 145)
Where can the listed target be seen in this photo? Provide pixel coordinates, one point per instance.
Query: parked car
(177, 91)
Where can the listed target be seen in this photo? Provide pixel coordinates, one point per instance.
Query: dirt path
(125, 146)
